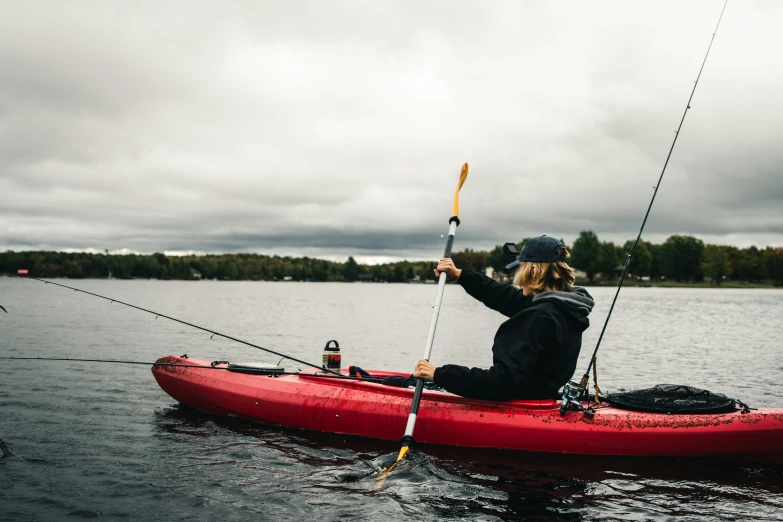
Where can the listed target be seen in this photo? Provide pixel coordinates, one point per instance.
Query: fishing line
(157, 314)
(629, 255)
(330, 375)
(111, 361)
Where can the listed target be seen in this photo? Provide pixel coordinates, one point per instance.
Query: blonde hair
(557, 276)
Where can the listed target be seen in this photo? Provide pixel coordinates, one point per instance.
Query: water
(101, 440)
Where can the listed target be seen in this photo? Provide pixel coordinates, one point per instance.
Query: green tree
(657, 253)
(606, 262)
(162, 259)
(351, 270)
(716, 264)
(750, 265)
(38, 269)
(584, 254)
(682, 258)
(73, 269)
(773, 261)
(641, 261)
(226, 269)
(321, 271)
(497, 260)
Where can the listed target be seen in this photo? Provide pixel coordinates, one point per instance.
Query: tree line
(680, 258)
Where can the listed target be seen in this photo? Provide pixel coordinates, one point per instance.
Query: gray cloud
(339, 128)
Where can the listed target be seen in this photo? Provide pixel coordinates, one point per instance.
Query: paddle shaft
(407, 439)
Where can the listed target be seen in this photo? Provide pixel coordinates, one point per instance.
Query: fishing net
(672, 398)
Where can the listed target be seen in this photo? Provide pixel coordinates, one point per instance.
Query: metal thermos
(332, 356)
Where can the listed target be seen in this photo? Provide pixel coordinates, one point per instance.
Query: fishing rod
(572, 391)
(157, 314)
(113, 361)
(211, 366)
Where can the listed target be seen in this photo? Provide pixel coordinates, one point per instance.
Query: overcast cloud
(334, 128)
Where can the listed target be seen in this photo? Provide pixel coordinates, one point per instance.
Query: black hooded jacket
(535, 350)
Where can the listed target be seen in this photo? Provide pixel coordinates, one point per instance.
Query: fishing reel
(572, 392)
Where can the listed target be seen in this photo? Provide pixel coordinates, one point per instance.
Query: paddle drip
(573, 394)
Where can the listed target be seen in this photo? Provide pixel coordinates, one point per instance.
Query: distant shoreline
(669, 284)
(602, 284)
(680, 258)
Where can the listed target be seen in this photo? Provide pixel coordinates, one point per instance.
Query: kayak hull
(373, 410)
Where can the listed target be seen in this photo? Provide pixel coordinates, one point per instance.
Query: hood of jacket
(576, 304)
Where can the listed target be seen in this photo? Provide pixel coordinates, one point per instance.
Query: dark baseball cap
(541, 249)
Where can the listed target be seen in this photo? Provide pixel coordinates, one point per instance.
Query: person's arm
(506, 299)
(516, 349)
(493, 384)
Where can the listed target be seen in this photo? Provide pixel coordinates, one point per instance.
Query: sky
(336, 128)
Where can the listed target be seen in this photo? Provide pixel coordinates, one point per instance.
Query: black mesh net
(672, 398)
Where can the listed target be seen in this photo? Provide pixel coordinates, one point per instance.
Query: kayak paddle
(407, 439)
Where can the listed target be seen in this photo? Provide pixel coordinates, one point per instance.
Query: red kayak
(322, 403)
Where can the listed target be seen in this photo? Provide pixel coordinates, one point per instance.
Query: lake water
(101, 440)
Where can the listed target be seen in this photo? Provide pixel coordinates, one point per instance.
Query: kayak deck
(369, 409)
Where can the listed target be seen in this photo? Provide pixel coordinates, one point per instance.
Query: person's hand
(425, 370)
(447, 265)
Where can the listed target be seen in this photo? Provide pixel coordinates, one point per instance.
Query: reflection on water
(449, 482)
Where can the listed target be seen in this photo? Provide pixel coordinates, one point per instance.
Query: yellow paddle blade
(462, 177)
(403, 452)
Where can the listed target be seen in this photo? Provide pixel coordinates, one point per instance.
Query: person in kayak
(536, 349)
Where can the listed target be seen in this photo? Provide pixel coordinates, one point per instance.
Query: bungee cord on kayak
(573, 392)
(158, 314)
